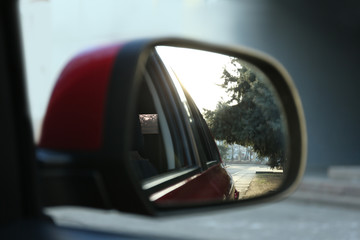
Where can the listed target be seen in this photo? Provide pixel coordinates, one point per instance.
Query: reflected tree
(250, 117)
(223, 149)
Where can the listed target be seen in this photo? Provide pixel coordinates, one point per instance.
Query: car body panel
(212, 184)
(80, 92)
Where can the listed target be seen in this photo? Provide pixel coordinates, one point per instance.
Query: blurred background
(317, 42)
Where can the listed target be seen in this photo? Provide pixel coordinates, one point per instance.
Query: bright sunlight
(199, 72)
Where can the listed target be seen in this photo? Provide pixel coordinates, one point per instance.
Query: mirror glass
(210, 127)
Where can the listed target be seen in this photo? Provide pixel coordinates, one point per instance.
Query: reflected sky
(199, 72)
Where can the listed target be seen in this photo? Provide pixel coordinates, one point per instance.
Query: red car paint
(210, 185)
(79, 92)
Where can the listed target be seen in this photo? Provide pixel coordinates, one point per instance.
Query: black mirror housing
(88, 131)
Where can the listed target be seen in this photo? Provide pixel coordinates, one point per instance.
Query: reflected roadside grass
(264, 183)
(253, 180)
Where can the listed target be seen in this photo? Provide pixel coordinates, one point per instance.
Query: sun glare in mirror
(198, 70)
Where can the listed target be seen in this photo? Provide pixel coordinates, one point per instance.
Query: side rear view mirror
(158, 126)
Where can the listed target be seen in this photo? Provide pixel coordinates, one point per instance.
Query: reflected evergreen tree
(251, 116)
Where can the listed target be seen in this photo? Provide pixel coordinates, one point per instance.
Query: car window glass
(203, 133)
(192, 119)
(160, 151)
(153, 149)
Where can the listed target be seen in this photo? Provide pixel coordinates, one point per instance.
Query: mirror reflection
(210, 128)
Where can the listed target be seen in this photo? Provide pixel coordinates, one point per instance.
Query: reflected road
(243, 174)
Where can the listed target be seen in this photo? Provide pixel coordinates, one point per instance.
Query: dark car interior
(152, 147)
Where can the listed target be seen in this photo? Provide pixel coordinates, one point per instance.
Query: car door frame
(175, 116)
